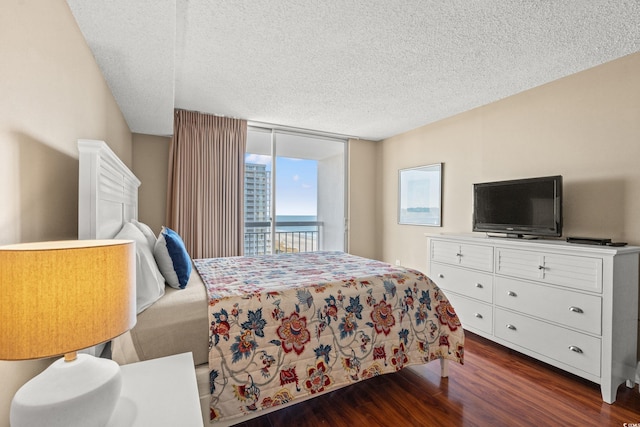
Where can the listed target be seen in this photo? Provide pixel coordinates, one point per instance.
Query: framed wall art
(420, 195)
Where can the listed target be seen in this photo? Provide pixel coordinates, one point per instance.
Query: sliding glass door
(294, 192)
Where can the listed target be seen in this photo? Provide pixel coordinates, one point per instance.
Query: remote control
(589, 240)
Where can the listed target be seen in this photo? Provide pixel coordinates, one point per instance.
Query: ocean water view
(296, 218)
(296, 236)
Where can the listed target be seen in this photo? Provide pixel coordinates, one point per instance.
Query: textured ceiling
(367, 68)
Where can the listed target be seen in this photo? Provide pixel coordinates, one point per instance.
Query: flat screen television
(521, 207)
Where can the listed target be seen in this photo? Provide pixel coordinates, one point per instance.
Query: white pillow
(149, 280)
(147, 231)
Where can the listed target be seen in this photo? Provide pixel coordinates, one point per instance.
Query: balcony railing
(290, 236)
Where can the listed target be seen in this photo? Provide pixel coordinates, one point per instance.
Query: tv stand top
(541, 243)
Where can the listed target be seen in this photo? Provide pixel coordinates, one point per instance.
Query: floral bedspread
(290, 325)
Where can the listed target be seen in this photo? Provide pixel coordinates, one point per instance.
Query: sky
(296, 184)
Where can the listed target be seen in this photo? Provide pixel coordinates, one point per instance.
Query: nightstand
(158, 392)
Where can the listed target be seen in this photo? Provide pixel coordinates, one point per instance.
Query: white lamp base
(82, 392)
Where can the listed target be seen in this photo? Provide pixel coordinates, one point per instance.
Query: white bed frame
(108, 198)
(107, 191)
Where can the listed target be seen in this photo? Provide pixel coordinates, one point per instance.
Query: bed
(270, 331)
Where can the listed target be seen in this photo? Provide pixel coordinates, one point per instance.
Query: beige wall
(150, 165)
(51, 94)
(585, 127)
(363, 234)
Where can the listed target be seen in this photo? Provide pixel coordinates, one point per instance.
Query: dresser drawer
(578, 272)
(569, 308)
(472, 313)
(569, 347)
(471, 256)
(466, 282)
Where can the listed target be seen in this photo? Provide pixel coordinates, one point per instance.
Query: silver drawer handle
(510, 326)
(512, 294)
(541, 267)
(458, 254)
(575, 349)
(478, 315)
(479, 285)
(576, 309)
(441, 276)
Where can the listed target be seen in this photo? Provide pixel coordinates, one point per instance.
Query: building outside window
(257, 208)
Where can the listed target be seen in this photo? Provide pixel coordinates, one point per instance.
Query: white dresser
(572, 306)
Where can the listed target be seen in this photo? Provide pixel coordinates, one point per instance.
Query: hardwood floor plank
(495, 387)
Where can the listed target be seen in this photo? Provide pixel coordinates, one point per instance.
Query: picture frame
(420, 195)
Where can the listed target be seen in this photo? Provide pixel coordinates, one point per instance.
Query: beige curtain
(206, 179)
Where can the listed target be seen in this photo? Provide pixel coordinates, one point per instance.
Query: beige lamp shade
(59, 297)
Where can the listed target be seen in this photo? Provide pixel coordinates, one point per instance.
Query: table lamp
(57, 298)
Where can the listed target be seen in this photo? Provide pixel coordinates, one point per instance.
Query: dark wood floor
(495, 387)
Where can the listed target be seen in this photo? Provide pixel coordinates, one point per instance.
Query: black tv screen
(520, 207)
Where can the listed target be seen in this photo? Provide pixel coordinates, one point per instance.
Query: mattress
(179, 322)
(176, 323)
(291, 326)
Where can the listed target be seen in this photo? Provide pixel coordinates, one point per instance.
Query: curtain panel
(205, 200)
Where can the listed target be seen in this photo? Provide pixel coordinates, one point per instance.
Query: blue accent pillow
(172, 258)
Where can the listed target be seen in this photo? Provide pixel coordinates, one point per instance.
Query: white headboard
(108, 191)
